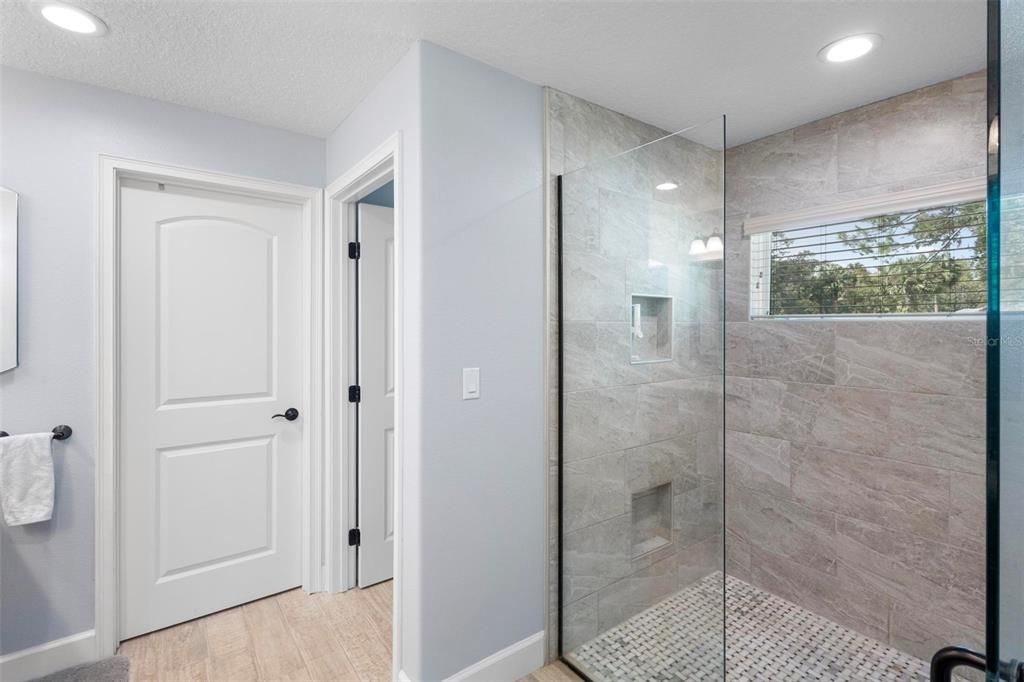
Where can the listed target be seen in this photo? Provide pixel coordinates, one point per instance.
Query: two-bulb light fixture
(701, 248)
(707, 248)
(70, 18)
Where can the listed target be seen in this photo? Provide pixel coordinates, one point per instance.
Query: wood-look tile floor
(290, 636)
(553, 672)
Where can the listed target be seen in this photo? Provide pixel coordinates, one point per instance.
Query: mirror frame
(8, 279)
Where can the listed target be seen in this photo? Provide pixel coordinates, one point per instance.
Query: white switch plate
(470, 383)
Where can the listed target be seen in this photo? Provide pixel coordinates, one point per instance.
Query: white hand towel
(26, 478)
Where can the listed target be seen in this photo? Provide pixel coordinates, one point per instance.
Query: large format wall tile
(841, 598)
(803, 534)
(598, 292)
(759, 463)
(920, 629)
(790, 350)
(781, 173)
(599, 421)
(597, 355)
(737, 270)
(697, 514)
(594, 557)
(673, 462)
(897, 564)
(934, 430)
(641, 590)
(902, 496)
(595, 490)
(934, 356)
(699, 560)
(967, 502)
(913, 135)
(938, 430)
(579, 622)
(737, 556)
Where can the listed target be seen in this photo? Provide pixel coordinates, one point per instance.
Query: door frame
(112, 170)
(340, 199)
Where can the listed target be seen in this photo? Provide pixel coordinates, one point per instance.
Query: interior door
(211, 319)
(376, 354)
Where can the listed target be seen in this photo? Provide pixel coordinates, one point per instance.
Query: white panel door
(377, 382)
(211, 334)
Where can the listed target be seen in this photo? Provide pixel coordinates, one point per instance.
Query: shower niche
(650, 332)
(652, 519)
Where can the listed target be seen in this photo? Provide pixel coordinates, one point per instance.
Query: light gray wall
(482, 471)
(855, 448)
(51, 135)
(472, 489)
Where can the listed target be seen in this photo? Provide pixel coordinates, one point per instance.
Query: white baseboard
(509, 664)
(402, 677)
(47, 658)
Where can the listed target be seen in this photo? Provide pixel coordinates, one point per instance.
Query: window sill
(874, 316)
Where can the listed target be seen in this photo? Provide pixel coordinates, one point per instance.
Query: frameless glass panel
(1007, 202)
(641, 324)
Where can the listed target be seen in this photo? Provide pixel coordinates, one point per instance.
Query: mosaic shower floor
(770, 640)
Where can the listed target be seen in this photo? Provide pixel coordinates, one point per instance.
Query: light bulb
(849, 48)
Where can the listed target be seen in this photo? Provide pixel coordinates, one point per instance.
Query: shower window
(922, 261)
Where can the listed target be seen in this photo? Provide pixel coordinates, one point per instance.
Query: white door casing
(211, 335)
(376, 352)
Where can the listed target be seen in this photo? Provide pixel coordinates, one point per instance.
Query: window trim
(956, 192)
(959, 191)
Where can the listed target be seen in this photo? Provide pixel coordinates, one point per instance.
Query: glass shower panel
(1006, 637)
(641, 377)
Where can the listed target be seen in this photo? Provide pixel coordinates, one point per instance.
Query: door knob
(291, 414)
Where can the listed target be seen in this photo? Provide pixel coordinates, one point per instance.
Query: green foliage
(930, 261)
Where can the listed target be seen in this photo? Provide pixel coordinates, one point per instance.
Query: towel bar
(62, 432)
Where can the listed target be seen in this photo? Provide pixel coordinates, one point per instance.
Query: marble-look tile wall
(855, 448)
(633, 428)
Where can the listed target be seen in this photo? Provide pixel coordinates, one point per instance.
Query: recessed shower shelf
(650, 545)
(650, 329)
(652, 519)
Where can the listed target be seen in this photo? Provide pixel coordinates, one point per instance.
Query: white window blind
(927, 260)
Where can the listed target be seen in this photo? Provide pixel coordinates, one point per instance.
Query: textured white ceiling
(305, 65)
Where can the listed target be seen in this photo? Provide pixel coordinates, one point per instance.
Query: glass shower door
(641, 409)
(1003, 659)
(1006, 467)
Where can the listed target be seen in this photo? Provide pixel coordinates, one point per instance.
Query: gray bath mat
(113, 669)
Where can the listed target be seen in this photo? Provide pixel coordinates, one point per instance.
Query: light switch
(470, 383)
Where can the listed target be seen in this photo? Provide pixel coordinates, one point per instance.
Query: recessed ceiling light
(666, 186)
(70, 18)
(851, 47)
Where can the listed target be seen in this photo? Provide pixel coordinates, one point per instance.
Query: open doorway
(363, 352)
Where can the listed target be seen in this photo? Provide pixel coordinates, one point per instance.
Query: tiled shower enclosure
(744, 498)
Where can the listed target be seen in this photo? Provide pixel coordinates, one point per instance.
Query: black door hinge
(355, 394)
(354, 537)
(353, 250)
